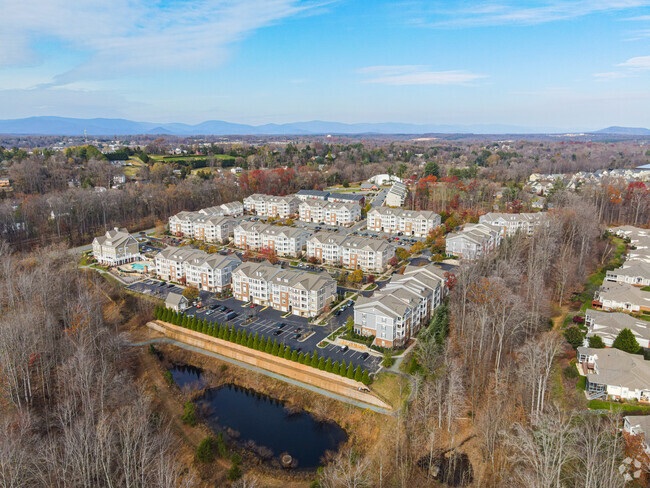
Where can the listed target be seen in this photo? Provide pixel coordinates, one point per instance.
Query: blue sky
(573, 65)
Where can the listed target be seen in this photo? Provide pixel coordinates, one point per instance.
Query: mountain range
(66, 126)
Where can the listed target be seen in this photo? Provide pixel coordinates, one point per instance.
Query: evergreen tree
(269, 346)
(281, 350)
(321, 363)
(350, 371)
(596, 342)
(358, 374)
(262, 345)
(232, 337)
(307, 359)
(301, 358)
(156, 312)
(165, 315)
(314, 360)
(328, 365)
(204, 328)
(625, 341)
(185, 322)
(238, 337)
(365, 379)
(256, 342)
(293, 354)
(343, 369)
(194, 324)
(335, 367)
(574, 336)
(275, 349)
(251, 341)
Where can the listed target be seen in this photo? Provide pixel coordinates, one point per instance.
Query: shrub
(189, 414)
(234, 473)
(388, 360)
(570, 372)
(625, 341)
(574, 336)
(596, 342)
(578, 319)
(205, 450)
(168, 376)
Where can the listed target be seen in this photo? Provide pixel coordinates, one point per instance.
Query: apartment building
(473, 241)
(397, 312)
(255, 203)
(347, 198)
(182, 224)
(416, 223)
(116, 247)
(396, 195)
(332, 213)
(233, 209)
(370, 255)
(287, 290)
(514, 223)
(272, 206)
(210, 272)
(285, 241)
(211, 228)
(607, 325)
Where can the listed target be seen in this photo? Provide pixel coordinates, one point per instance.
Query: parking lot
(297, 332)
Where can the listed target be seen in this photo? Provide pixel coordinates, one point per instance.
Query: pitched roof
(173, 300)
(609, 324)
(616, 367)
(114, 238)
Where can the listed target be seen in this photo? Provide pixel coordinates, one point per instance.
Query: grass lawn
(645, 288)
(131, 171)
(625, 407)
(581, 385)
(392, 388)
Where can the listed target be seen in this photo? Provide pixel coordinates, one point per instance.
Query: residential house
(615, 374)
(176, 302)
(301, 293)
(473, 241)
(514, 223)
(116, 247)
(396, 195)
(607, 325)
(621, 296)
(367, 186)
(634, 272)
(418, 223)
(370, 255)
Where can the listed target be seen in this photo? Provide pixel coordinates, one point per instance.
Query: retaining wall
(291, 369)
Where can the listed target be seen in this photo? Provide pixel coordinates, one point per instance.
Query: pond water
(262, 423)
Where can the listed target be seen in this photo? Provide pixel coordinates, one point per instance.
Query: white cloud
(502, 13)
(135, 36)
(417, 75)
(610, 75)
(637, 63)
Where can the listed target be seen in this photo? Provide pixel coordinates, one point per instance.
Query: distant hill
(66, 126)
(624, 131)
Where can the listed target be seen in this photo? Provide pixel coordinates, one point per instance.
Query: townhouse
(370, 255)
(607, 325)
(210, 272)
(621, 296)
(473, 241)
(116, 247)
(633, 272)
(397, 312)
(211, 228)
(304, 195)
(525, 223)
(331, 213)
(347, 198)
(396, 195)
(301, 293)
(416, 223)
(285, 241)
(614, 374)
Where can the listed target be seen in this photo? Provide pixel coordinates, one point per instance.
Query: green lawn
(625, 407)
(645, 288)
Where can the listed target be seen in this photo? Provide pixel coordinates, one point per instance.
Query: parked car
(364, 356)
(344, 348)
(222, 308)
(213, 306)
(297, 336)
(281, 325)
(231, 316)
(277, 332)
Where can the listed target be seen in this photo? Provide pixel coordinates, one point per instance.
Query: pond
(261, 423)
(186, 376)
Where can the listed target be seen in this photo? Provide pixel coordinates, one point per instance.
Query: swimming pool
(138, 266)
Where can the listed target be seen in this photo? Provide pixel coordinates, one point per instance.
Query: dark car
(281, 325)
(338, 312)
(222, 308)
(212, 307)
(298, 329)
(277, 332)
(297, 336)
(231, 316)
(344, 348)
(350, 303)
(364, 356)
(162, 283)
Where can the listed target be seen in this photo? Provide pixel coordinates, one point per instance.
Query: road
(270, 374)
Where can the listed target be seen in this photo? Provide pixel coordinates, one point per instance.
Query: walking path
(270, 374)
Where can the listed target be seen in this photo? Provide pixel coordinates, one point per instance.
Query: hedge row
(241, 337)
